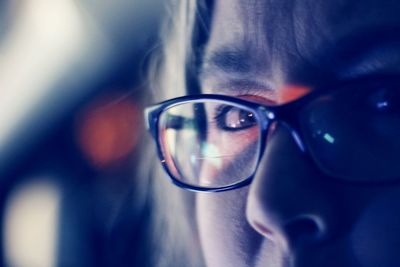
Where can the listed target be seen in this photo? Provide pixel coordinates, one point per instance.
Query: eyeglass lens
(352, 134)
(210, 143)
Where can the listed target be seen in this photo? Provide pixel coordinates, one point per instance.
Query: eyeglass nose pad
(293, 133)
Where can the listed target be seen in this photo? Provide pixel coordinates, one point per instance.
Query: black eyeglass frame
(286, 113)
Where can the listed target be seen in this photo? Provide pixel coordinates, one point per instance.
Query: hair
(173, 72)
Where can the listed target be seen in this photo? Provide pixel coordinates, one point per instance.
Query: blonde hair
(174, 236)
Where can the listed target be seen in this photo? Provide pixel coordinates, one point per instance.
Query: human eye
(232, 118)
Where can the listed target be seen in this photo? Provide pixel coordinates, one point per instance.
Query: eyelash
(218, 116)
(221, 114)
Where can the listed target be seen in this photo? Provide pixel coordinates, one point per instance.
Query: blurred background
(72, 90)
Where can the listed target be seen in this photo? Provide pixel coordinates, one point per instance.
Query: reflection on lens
(210, 143)
(353, 133)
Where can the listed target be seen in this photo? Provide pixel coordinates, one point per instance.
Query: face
(274, 51)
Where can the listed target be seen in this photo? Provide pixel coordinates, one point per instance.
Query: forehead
(301, 41)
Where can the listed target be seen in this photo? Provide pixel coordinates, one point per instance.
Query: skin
(292, 215)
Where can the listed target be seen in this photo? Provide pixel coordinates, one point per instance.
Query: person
(288, 133)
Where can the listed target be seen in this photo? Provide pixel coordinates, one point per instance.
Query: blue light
(329, 138)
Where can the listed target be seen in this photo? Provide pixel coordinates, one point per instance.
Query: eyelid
(281, 96)
(239, 87)
(264, 95)
(261, 99)
(221, 113)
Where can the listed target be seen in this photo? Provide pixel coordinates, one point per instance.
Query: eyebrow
(364, 39)
(238, 69)
(228, 59)
(233, 59)
(242, 86)
(350, 50)
(354, 49)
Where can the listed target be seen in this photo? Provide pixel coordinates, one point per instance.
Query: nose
(289, 201)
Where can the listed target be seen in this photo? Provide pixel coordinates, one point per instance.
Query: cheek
(376, 236)
(227, 239)
(230, 157)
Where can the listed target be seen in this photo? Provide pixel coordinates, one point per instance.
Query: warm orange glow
(279, 96)
(108, 130)
(290, 93)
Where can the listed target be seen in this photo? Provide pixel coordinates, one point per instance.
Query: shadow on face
(292, 214)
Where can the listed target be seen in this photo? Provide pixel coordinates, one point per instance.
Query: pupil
(240, 119)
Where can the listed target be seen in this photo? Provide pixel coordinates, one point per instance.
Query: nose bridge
(286, 93)
(285, 199)
(274, 119)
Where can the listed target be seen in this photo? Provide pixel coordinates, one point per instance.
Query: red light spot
(109, 129)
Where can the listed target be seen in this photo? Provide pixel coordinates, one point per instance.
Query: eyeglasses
(215, 142)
